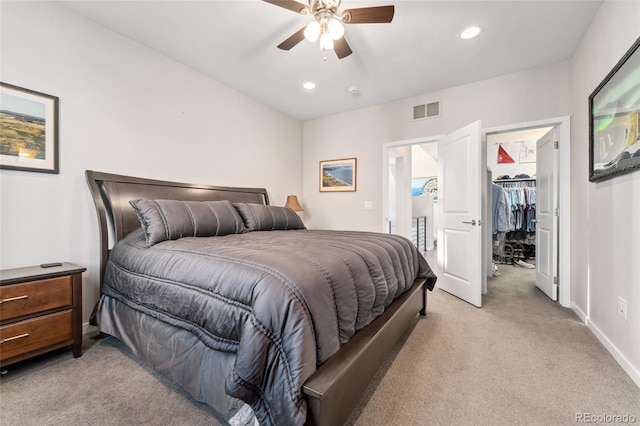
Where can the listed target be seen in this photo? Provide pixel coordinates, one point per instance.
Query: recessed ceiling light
(470, 32)
(309, 85)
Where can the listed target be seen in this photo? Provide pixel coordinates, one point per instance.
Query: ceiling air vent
(429, 110)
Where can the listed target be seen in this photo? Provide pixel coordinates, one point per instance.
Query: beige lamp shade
(293, 204)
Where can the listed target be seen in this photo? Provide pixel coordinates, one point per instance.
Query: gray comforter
(282, 301)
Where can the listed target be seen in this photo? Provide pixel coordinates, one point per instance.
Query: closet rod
(515, 180)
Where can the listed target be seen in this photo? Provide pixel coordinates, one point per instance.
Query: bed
(242, 306)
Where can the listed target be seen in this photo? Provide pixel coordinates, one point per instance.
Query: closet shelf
(498, 181)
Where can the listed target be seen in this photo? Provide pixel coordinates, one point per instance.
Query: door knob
(473, 222)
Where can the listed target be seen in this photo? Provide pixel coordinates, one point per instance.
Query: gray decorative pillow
(258, 217)
(172, 219)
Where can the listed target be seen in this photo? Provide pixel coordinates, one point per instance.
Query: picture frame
(614, 120)
(28, 130)
(427, 185)
(338, 175)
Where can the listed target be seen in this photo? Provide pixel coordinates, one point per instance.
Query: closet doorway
(522, 168)
(531, 161)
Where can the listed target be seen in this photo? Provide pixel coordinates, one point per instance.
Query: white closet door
(546, 219)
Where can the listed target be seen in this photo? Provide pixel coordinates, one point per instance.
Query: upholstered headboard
(111, 194)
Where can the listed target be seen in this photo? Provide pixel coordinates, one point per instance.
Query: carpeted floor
(521, 359)
(105, 386)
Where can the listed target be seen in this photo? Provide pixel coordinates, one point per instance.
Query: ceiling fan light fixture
(312, 32)
(336, 29)
(326, 42)
(328, 23)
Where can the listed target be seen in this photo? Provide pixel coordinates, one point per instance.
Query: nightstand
(40, 310)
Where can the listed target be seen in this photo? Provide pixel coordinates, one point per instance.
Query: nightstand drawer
(36, 333)
(36, 296)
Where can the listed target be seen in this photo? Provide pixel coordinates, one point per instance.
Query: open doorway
(523, 231)
(400, 171)
(424, 195)
(460, 253)
(409, 169)
(553, 189)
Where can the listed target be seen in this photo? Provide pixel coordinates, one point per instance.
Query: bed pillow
(258, 217)
(172, 219)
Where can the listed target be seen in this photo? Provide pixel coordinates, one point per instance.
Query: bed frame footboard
(336, 387)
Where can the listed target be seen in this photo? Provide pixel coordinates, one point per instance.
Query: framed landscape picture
(28, 130)
(614, 120)
(338, 175)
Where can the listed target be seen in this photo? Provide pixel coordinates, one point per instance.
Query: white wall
(124, 109)
(605, 225)
(422, 163)
(515, 98)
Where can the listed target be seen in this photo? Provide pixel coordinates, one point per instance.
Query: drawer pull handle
(11, 299)
(19, 336)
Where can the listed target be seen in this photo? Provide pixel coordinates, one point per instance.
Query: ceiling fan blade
(342, 48)
(296, 38)
(291, 5)
(369, 15)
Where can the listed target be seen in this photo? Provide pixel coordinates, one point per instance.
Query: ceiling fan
(327, 24)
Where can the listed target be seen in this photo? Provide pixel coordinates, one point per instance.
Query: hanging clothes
(521, 199)
(514, 213)
(499, 209)
(531, 209)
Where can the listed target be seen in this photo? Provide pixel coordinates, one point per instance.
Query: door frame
(402, 171)
(564, 194)
(385, 172)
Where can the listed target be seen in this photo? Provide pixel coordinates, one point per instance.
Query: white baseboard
(579, 313)
(619, 357)
(89, 329)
